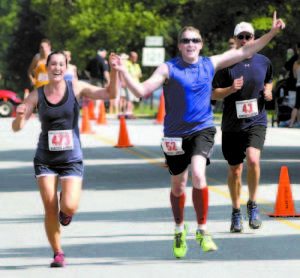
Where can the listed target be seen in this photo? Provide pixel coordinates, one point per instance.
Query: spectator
(288, 66)
(231, 44)
(295, 112)
(97, 70)
(135, 71)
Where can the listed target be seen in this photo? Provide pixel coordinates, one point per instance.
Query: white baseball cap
(243, 27)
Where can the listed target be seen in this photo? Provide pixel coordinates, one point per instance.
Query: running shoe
(59, 260)
(64, 219)
(180, 246)
(205, 241)
(236, 223)
(254, 215)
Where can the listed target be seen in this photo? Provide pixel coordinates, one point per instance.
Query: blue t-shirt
(256, 72)
(187, 95)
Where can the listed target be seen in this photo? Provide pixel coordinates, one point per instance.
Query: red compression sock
(200, 200)
(177, 204)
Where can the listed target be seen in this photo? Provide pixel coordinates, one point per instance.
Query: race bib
(60, 140)
(42, 77)
(246, 108)
(172, 146)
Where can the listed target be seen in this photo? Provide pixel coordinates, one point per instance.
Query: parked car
(8, 102)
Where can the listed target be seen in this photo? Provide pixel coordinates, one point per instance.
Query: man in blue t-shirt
(245, 86)
(188, 124)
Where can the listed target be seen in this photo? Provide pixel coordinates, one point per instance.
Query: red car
(8, 103)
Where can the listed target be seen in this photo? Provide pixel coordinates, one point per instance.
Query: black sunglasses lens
(196, 40)
(247, 37)
(186, 41)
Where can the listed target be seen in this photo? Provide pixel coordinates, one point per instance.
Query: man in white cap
(245, 87)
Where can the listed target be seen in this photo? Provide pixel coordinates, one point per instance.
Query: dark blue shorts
(65, 170)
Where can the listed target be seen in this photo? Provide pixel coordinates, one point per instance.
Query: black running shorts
(234, 144)
(198, 143)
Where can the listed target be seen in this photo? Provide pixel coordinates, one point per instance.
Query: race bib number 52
(172, 146)
(60, 140)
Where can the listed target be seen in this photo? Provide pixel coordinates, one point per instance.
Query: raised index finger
(274, 16)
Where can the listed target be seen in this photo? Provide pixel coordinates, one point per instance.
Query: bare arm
(87, 90)
(268, 91)
(107, 76)
(31, 68)
(236, 55)
(295, 68)
(220, 93)
(24, 111)
(87, 73)
(158, 78)
(75, 72)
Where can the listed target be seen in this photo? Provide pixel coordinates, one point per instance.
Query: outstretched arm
(236, 55)
(111, 91)
(160, 75)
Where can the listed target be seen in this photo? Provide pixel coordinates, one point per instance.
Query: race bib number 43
(60, 140)
(246, 108)
(172, 146)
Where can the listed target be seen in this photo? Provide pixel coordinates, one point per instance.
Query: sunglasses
(247, 37)
(193, 40)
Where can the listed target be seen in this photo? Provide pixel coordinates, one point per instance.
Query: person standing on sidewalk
(245, 87)
(58, 156)
(188, 125)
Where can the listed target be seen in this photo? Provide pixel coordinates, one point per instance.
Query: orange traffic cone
(102, 114)
(161, 110)
(123, 135)
(86, 125)
(92, 110)
(284, 206)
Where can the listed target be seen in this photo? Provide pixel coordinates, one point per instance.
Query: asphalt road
(124, 225)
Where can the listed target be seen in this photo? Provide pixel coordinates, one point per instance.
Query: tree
(24, 45)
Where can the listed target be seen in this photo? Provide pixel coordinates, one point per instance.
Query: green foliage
(83, 26)
(8, 24)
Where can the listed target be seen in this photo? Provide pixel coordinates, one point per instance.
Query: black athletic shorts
(234, 144)
(198, 143)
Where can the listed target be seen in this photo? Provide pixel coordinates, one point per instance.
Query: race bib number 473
(172, 146)
(60, 140)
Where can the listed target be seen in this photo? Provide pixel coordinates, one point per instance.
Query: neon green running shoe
(180, 246)
(205, 241)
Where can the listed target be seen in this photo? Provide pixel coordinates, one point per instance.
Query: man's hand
(237, 84)
(277, 24)
(268, 92)
(116, 63)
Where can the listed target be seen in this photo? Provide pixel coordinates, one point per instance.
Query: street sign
(154, 41)
(153, 56)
